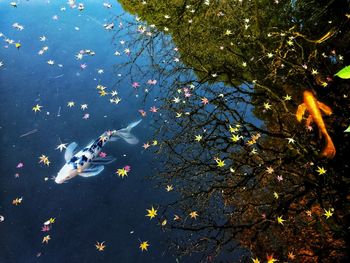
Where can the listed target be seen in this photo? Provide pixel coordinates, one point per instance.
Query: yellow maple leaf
(280, 220)
(267, 106)
(169, 188)
(144, 245)
(100, 87)
(321, 170)
(328, 213)
(37, 108)
(220, 163)
(70, 104)
(235, 138)
(194, 214)
(198, 138)
(151, 212)
(233, 129)
(122, 172)
(102, 93)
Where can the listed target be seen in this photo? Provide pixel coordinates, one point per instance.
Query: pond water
(102, 208)
(226, 155)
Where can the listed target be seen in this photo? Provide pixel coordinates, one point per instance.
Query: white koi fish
(87, 161)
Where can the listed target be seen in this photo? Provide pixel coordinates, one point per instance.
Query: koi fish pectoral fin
(93, 171)
(103, 161)
(70, 151)
(327, 110)
(309, 121)
(113, 139)
(300, 111)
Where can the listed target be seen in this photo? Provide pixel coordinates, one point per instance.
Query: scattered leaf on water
(344, 73)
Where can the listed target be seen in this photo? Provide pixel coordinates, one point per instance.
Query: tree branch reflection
(230, 145)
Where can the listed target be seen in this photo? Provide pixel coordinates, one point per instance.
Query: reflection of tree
(269, 51)
(239, 203)
(242, 30)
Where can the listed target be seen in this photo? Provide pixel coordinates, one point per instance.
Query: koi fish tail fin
(125, 133)
(329, 150)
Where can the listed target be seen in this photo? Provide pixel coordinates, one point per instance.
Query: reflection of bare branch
(231, 92)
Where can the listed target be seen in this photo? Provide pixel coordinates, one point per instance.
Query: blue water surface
(102, 208)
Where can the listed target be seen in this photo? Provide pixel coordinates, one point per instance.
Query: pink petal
(103, 154)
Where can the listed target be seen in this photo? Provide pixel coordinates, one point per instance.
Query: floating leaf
(347, 129)
(344, 73)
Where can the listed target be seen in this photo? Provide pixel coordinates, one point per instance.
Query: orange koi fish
(314, 108)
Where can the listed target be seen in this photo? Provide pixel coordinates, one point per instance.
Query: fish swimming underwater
(87, 161)
(315, 107)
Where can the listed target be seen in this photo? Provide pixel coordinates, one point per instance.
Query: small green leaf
(348, 129)
(344, 73)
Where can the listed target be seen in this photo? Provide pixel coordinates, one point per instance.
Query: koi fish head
(67, 172)
(308, 95)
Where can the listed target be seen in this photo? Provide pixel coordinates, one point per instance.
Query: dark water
(218, 86)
